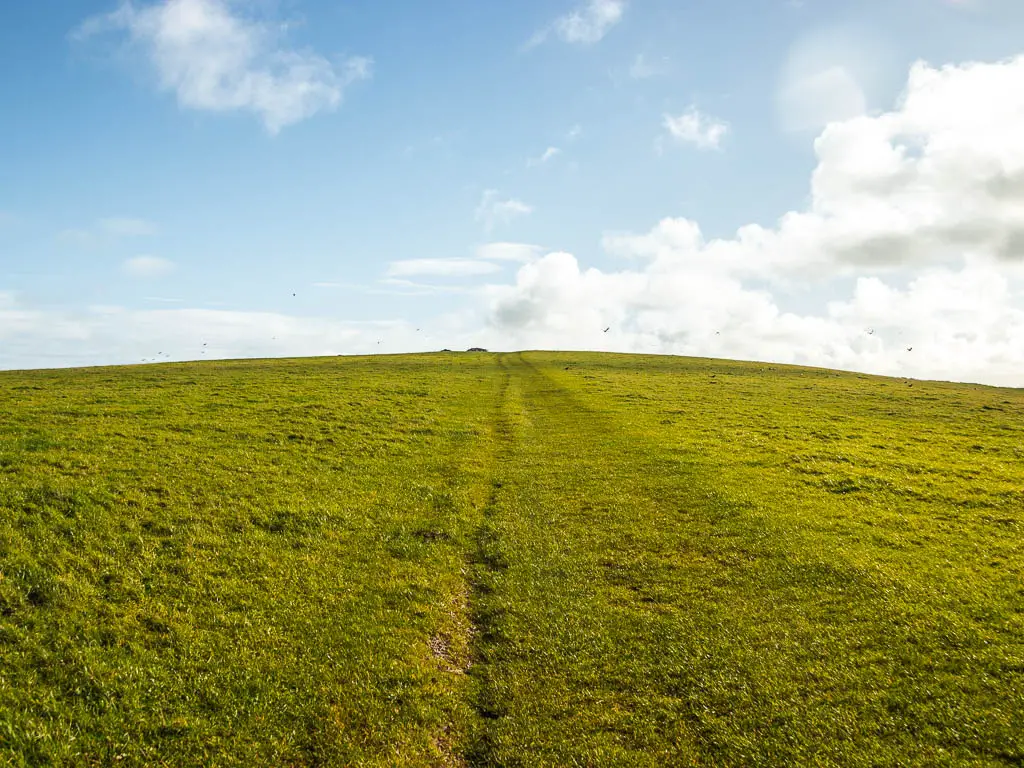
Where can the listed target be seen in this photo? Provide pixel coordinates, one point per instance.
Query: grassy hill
(509, 560)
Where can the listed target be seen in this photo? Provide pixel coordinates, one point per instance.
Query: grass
(522, 559)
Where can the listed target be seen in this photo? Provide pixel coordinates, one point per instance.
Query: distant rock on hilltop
(476, 349)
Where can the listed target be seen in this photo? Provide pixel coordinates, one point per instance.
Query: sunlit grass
(538, 559)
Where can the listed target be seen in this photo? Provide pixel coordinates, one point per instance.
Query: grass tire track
(484, 569)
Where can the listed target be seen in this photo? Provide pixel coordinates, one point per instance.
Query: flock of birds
(869, 331)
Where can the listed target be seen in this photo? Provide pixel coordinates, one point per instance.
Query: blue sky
(275, 177)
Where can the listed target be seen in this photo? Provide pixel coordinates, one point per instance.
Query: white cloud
(213, 58)
(441, 268)
(148, 266)
(696, 128)
(493, 210)
(574, 133)
(585, 25)
(393, 287)
(549, 154)
(642, 68)
(509, 252)
(914, 230)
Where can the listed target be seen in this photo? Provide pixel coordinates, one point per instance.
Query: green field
(510, 560)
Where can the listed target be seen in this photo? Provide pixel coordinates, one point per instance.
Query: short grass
(509, 560)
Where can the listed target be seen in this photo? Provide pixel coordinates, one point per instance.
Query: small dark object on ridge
(476, 349)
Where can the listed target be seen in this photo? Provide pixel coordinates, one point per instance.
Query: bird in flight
(910, 349)
(607, 329)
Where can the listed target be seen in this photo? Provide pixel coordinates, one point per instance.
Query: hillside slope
(515, 559)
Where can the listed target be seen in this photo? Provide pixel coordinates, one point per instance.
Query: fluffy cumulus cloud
(914, 230)
(585, 25)
(214, 58)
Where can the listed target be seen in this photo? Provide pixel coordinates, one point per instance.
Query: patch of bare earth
(451, 651)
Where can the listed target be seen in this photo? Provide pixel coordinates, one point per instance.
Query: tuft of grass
(522, 559)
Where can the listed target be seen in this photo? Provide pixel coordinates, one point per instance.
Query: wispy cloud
(406, 287)
(213, 58)
(522, 252)
(493, 210)
(396, 287)
(107, 230)
(585, 25)
(549, 154)
(643, 68)
(696, 128)
(148, 266)
(441, 268)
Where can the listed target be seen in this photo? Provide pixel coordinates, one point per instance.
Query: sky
(823, 182)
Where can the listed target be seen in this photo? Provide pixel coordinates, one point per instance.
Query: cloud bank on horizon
(921, 208)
